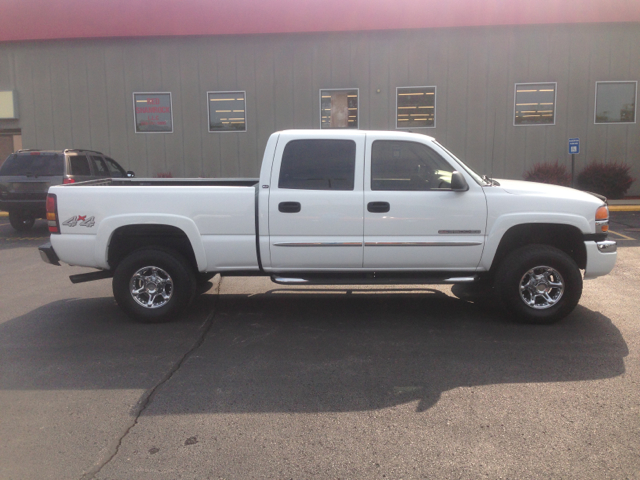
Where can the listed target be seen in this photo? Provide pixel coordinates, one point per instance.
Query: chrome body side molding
(422, 244)
(318, 244)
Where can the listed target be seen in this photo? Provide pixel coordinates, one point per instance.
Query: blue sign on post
(574, 146)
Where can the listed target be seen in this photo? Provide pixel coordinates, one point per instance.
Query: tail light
(52, 213)
(66, 180)
(602, 219)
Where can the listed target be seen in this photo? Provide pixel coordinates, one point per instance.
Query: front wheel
(21, 221)
(538, 284)
(154, 285)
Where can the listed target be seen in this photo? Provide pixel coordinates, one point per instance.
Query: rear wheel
(154, 285)
(21, 221)
(538, 284)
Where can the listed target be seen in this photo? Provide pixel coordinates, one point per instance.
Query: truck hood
(520, 187)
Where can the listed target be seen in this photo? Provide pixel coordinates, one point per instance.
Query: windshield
(36, 165)
(475, 176)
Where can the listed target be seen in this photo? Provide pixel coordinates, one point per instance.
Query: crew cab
(336, 207)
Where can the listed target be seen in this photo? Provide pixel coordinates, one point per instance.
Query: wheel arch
(567, 238)
(120, 236)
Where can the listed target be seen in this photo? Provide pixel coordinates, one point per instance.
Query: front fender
(500, 226)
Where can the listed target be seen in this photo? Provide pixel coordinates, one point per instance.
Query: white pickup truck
(336, 207)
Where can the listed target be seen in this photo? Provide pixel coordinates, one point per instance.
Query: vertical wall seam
(33, 107)
(255, 89)
(488, 112)
(220, 140)
(163, 89)
(124, 89)
(86, 76)
(201, 90)
(53, 122)
(106, 97)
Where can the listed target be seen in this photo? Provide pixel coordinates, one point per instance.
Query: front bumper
(601, 258)
(48, 254)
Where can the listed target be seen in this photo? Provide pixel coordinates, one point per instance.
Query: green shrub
(609, 179)
(549, 173)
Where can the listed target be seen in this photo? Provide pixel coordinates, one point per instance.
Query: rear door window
(79, 165)
(33, 164)
(99, 167)
(318, 165)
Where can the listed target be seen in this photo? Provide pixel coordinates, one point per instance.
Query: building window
(616, 102)
(535, 104)
(227, 111)
(339, 108)
(415, 107)
(152, 112)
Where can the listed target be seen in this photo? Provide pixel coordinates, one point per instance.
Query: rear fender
(109, 225)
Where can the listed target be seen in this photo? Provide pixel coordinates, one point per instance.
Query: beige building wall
(78, 94)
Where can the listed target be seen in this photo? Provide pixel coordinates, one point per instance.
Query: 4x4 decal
(81, 220)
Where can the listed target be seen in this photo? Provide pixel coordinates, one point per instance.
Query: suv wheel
(21, 221)
(538, 284)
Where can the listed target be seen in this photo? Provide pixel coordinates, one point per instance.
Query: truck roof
(350, 133)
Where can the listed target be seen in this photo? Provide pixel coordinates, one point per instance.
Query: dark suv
(25, 178)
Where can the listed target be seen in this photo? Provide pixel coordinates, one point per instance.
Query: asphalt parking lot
(265, 381)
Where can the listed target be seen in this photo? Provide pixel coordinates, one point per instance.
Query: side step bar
(372, 280)
(91, 276)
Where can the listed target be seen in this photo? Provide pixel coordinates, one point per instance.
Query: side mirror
(130, 174)
(458, 183)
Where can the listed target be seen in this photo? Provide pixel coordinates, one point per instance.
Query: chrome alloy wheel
(151, 287)
(541, 287)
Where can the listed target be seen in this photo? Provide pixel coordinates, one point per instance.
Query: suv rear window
(37, 165)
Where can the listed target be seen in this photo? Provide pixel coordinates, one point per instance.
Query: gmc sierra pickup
(336, 207)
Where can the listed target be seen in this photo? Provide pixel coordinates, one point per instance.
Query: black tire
(538, 284)
(21, 221)
(169, 288)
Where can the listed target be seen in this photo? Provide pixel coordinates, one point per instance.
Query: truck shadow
(318, 350)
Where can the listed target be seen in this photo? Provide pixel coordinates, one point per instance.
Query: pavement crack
(147, 398)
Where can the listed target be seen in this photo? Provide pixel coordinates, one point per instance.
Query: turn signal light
(602, 219)
(602, 213)
(52, 213)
